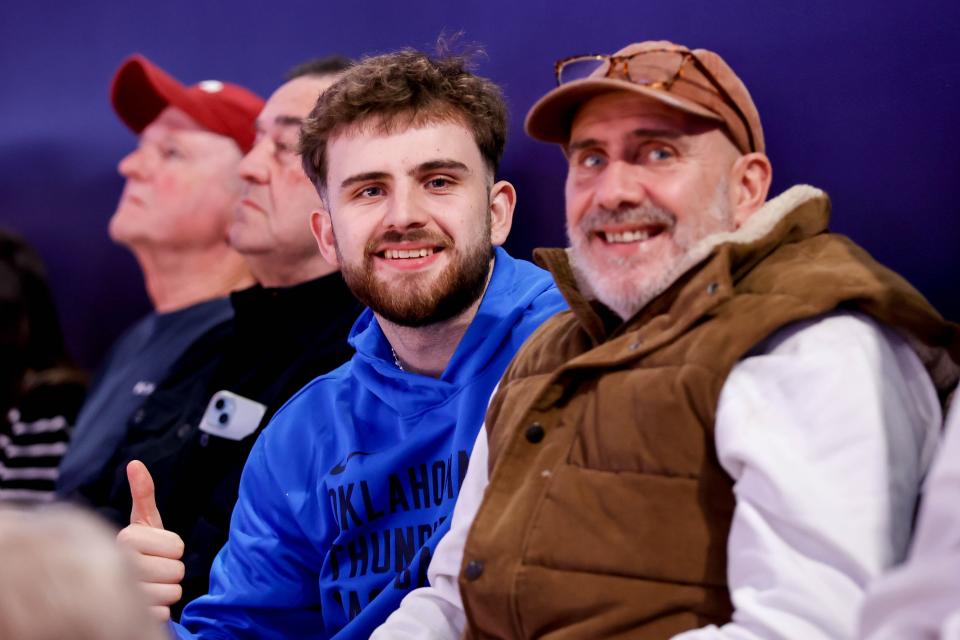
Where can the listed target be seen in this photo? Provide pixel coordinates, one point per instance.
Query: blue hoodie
(348, 490)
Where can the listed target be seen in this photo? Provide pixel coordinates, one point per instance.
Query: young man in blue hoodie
(346, 493)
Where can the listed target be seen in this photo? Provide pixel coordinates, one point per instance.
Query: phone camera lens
(224, 418)
(219, 403)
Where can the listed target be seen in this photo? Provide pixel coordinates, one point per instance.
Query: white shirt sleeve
(921, 599)
(826, 429)
(436, 612)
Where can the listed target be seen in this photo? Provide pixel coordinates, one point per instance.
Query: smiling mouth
(408, 254)
(630, 235)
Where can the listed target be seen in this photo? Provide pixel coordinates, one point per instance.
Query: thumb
(144, 509)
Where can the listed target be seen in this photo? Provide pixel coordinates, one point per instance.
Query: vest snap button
(535, 433)
(473, 570)
(712, 288)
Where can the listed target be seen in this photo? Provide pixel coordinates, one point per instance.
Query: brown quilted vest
(607, 511)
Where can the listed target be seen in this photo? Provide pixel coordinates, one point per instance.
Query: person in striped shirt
(41, 389)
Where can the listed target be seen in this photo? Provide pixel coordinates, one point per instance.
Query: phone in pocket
(231, 416)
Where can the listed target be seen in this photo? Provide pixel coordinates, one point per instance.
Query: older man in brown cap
(724, 436)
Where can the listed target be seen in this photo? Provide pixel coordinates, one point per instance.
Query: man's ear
(322, 228)
(751, 175)
(503, 200)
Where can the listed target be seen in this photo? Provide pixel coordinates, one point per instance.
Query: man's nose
(253, 166)
(135, 164)
(621, 185)
(406, 209)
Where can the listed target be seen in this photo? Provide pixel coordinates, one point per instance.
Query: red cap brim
(141, 90)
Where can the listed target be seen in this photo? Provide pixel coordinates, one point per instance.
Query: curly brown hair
(399, 90)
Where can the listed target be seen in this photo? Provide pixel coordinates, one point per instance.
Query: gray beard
(627, 304)
(626, 297)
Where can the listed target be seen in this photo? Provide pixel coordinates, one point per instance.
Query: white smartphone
(231, 416)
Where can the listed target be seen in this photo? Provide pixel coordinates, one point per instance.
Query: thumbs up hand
(157, 552)
(141, 490)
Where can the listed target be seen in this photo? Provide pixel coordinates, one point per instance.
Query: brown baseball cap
(141, 90)
(692, 91)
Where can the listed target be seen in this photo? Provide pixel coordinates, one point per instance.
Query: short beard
(622, 284)
(459, 286)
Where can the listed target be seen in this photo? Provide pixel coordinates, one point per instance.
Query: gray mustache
(645, 215)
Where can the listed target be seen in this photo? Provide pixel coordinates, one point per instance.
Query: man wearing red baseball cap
(195, 431)
(182, 188)
(724, 436)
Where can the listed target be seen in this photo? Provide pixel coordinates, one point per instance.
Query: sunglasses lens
(648, 67)
(654, 67)
(578, 69)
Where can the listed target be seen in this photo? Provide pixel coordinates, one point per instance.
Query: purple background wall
(857, 97)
